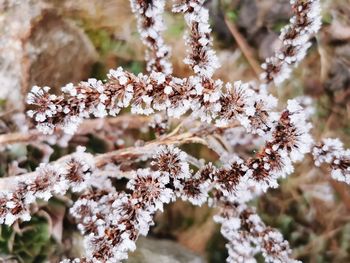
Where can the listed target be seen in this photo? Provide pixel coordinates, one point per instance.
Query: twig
(88, 126)
(245, 48)
(18, 137)
(134, 152)
(116, 156)
(343, 191)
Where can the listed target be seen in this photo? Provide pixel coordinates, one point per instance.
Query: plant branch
(128, 153)
(88, 126)
(244, 47)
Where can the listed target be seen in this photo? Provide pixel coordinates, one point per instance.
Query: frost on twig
(113, 221)
(248, 235)
(295, 41)
(331, 152)
(75, 174)
(150, 25)
(172, 177)
(201, 57)
(208, 99)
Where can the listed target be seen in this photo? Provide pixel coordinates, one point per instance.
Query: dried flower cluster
(112, 221)
(295, 41)
(201, 58)
(248, 235)
(332, 153)
(49, 180)
(150, 25)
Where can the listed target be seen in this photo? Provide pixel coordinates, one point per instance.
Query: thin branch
(88, 126)
(116, 156)
(244, 47)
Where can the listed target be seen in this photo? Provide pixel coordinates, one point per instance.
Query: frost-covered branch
(149, 15)
(289, 141)
(76, 171)
(209, 100)
(201, 57)
(48, 180)
(86, 127)
(248, 235)
(134, 152)
(295, 39)
(113, 221)
(331, 152)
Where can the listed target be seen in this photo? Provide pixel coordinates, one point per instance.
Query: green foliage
(216, 249)
(96, 145)
(14, 152)
(232, 15)
(103, 40)
(136, 67)
(327, 19)
(2, 104)
(279, 25)
(29, 244)
(176, 29)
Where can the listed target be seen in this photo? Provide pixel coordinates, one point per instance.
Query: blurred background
(54, 42)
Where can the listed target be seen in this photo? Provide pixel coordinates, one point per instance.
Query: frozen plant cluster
(248, 235)
(201, 57)
(295, 41)
(48, 180)
(111, 220)
(150, 25)
(332, 153)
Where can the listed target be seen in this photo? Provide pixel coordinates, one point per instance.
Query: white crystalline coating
(100, 111)
(303, 140)
(179, 159)
(205, 105)
(331, 152)
(307, 104)
(159, 77)
(245, 243)
(168, 90)
(293, 106)
(325, 154)
(116, 73)
(34, 93)
(121, 212)
(69, 88)
(201, 193)
(50, 179)
(259, 116)
(71, 123)
(155, 185)
(38, 96)
(123, 80)
(95, 84)
(341, 172)
(299, 42)
(157, 54)
(198, 19)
